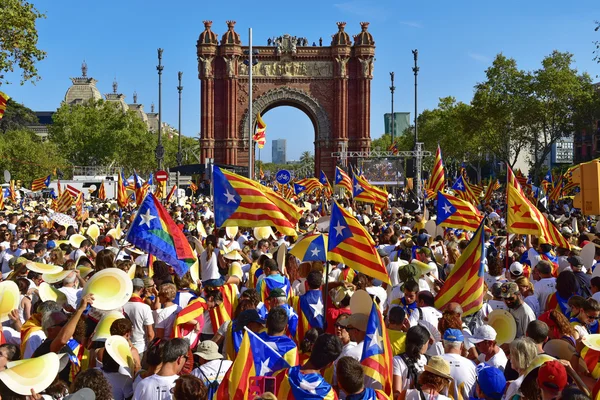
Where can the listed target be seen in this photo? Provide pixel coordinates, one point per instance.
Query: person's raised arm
(67, 331)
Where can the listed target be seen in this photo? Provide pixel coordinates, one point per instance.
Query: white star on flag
(459, 185)
(315, 252)
(375, 340)
(230, 197)
(447, 209)
(146, 218)
(357, 187)
(264, 367)
(310, 386)
(317, 308)
(339, 229)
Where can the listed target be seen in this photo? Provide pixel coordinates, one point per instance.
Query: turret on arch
(331, 84)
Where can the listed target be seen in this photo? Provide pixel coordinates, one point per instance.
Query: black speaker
(410, 168)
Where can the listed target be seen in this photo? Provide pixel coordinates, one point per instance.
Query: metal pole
(250, 113)
(392, 88)
(418, 186)
(160, 150)
(179, 154)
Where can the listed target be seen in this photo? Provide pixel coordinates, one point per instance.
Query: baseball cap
(382, 253)
(137, 282)
(208, 350)
(357, 321)
(575, 261)
(453, 335)
(491, 382)
(516, 268)
(82, 394)
(277, 292)
(509, 289)
(552, 376)
(422, 239)
(246, 317)
(425, 250)
(482, 333)
(51, 244)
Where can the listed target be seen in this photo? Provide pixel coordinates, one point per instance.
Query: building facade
(278, 155)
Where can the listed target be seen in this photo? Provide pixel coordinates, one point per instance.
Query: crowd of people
(534, 337)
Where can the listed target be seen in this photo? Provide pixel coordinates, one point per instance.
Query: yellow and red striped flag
(437, 182)
(464, 285)
(307, 185)
(161, 189)
(64, 202)
(3, 100)
(224, 311)
(349, 239)
(556, 191)
(79, 205)
(12, 192)
(491, 188)
(453, 212)
(170, 195)
(58, 187)
(524, 218)
(362, 190)
(122, 198)
(40, 183)
(1, 199)
(240, 201)
(193, 187)
(260, 135)
(342, 179)
(190, 318)
(102, 192)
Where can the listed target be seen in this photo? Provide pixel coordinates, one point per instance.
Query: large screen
(383, 171)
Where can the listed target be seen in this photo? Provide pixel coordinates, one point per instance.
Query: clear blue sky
(456, 40)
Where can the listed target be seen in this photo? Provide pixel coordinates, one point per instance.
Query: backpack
(214, 385)
(441, 271)
(412, 372)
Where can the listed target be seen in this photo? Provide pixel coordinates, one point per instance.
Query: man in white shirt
(426, 302)
(12, 251)
(159, 385)
(462, 369)
(545, 285)
(141, 318)
(484, 338)
(70, 290)
(212, 366)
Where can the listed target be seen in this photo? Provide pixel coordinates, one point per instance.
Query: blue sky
(456, 40)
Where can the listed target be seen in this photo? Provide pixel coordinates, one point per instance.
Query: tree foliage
(18, 40)
(16, 116)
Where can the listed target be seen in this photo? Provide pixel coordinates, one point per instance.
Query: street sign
(283, 176)
(161, 176)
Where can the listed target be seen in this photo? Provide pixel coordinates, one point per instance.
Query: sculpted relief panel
(309, 69)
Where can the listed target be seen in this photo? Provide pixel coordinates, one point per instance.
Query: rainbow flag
(342, 179)
(3, 100)
(438, 179)
(154, 231)
(349, 239)
(40, 183)
(464, 285)
(377, 351)
(453, 212)
(240, 201)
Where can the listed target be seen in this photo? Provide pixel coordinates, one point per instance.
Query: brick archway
(331, 84)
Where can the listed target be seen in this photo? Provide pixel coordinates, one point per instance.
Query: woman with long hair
(559, 326)
(104, 259)
(209, 263)
(526, 289)
(408, 365)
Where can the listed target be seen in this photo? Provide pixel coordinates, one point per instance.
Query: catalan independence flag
(224, 311)
(349, 239)
(40, 183)
(342, 179)
(453, 212)
(592, 361)
(311, 312)
(260, 135)
(464, 285)
(364, 191)
(463, 190)
(3, 100)
(491, 188)
(438, 178)
(524, 218)
(377, 355)
(239, 201)
(122, 198)
(154, 231)
(102, 192)
(255, 358)
(293, 384)
(307, 185)
(556, 191)
(64, 202)
(1, 199)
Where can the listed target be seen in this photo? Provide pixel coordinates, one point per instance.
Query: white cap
(482, 333)
(516, 268)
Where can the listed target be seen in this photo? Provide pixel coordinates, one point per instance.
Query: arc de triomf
(331, 84)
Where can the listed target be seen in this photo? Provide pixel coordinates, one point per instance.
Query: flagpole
(326, 294)
(250, 113)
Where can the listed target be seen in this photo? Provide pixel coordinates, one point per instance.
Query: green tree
(27, 157)
(16, 116)
(190, 147)
(382, 143)
(101, 134)
(19, 40)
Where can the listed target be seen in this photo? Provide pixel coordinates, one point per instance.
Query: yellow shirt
(397, 341)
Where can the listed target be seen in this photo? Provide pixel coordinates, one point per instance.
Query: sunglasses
(593, 317)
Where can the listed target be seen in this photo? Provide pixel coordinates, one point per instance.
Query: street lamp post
(179, 154)
(160, 150)
(392, 89)
(417, 148)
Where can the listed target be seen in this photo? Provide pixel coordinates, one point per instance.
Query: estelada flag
(453, 212)
(464, 285)
(102, 192)
(3, 100)
(122, 198)
(1, 199)
(438, 178)
(342, 179)
(190, 319)
(40, 183)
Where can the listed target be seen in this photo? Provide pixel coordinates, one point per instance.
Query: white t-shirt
(215, 369)
(543, 289)
(513, 388)
(463, 373)
(413, 394)
(498, 360)
(400, 369)
(76, 254)
(431, 315)
(122, 385)
(378, 292)
(209, 269)
(497, 305)
(140, 315)
(73, 295)
(165, 317)
(596, 296)
(155, 387)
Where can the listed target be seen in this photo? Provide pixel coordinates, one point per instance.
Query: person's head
(189, 387)
(538, 331)
(23, 285)
(308, 341)
(595, 284)
(350, 375)
(511, 295)
(153, 353)
(47, 307)
(490, 383)
(417, 341)
(167, 292)
(314, 280)
(552, 378)
(175, 352)
(566, 284)
(95, 380)
(449, 320)
(122, 327)
(105, 259)
(525, 286)
(53, 322)
(453, 341)
(522, 353)
(108, 363)
(436, 375)
(8, 352)
(558, 324)
(340, 329)
(138, 285)
(207, 351)
(397, 320)
(411, 288)
(270, 266)
(327, 349)
(576, 304)
(277, 321)
(277, 297)
(425, 299)
(484, 338)
(252, 295)
(590, 312)
(544, 268)
(576, 263)
(250, 319)
(213, 298)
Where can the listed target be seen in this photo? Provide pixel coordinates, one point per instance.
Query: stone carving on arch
(293, 97)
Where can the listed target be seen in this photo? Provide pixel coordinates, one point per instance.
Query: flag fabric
(556, 191)
(364, 191)
(592, 361)
(171, 193)
(547, 181)
(122, 198)
(140, 189)
(524, 218)
(489, 192)
(154, 231)
(3, 100)
(102, 192)
(79, 205)
(255, 358)
(224, 311)
(40, 183)
(190, 319)
(393, 148)
(13, 192)
(64, 202)
(311, 312)
(349, 239)
(150, 265)
(1, 199)
(193, 187)
(33, 324)
(73, 191)
(342, 179)
(307, 185)
(240, 201)
(463, 190)
(464, 285)
(377, 355)
(293, 384)
(453, 212)
(260, 135)
(437, 182)
(60, 190)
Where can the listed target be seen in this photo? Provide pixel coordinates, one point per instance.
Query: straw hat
(102, 331)
(75, 240)
(504, 324)
(33, 373)
(438, 366)
(57, 277)
(42, 268)
(118, 348)
(9, 298)
(47, 292)
(111, 287)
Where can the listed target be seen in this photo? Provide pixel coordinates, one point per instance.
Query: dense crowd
(534, 337)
